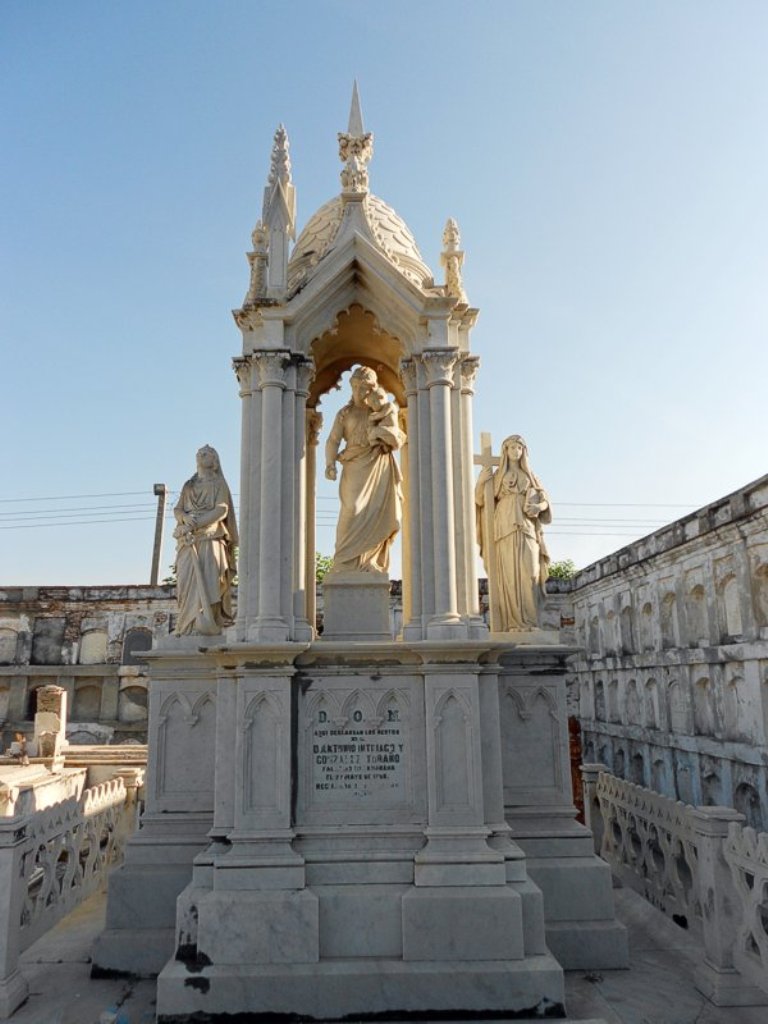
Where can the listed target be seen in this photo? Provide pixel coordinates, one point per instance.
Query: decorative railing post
(13, 844)
(593, 818)
(746, 854)
(133, 780)
(717, 977)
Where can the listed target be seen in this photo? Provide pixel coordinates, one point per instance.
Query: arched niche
(356, 337)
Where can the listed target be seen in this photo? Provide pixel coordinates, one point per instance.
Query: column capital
(248, 318)
(469, 367)
(314, 426)
(242, 367)
(408, 373)
(439, 364)
(271, 365)
(305, 371)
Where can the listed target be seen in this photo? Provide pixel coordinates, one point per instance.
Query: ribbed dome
(389, 230)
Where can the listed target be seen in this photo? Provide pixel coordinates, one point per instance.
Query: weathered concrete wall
(672, 687)
(90, 641)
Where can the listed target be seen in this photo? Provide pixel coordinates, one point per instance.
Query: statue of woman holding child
(370, 486)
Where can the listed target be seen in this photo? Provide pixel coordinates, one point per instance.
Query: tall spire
(355, 114)
(355, 151)
(278, 216)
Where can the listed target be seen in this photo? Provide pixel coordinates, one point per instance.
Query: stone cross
(487, 460)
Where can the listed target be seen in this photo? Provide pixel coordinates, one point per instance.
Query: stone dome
(389, 231)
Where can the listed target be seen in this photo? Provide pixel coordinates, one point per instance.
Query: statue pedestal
(356, 606)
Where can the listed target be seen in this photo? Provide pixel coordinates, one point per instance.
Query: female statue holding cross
(514, 554)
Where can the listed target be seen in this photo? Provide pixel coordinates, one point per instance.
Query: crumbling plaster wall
(88, 640)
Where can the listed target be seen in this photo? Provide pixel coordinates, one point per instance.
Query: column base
(447, 627)
(268, 630)
(458, 858)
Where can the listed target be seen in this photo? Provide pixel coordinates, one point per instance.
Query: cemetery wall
(672, 686)
(89, 640)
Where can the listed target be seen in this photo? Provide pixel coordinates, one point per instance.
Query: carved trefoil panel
(262, 752)
(186, 731)
(533, 762)
(263, 742)
(454, 750)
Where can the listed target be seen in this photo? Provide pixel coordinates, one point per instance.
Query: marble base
(727, 987)
(13, 992)
(140, 933)
(356, 607)
(581, 927)
(532, 987)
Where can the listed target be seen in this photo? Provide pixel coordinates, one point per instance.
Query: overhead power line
(72, 497)
(83, 522)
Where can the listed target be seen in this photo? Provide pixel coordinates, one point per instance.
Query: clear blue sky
(607, 164)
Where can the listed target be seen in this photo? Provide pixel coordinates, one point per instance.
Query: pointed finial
(355, 114)
(355, 151)
(451, 236)
(452, 258)
(280, 195)
(280, 158)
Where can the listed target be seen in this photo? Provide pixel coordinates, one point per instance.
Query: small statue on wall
(206, 537)
(511, 508)
(370, 487)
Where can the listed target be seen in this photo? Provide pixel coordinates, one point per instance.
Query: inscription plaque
(358, 759)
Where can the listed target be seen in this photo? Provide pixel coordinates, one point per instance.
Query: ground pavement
(657, 990)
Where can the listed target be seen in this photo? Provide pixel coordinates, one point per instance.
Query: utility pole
(161, 491)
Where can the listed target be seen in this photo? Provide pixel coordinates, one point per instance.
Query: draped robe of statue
(206, 535)
(520, 559)
(369, 491)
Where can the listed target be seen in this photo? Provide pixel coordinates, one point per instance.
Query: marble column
(469, 368)
(314, 424)
(412, 547)
(270, 626)
(303, 627)
(445, 621)
(423, 508)
(288, 497)
(244, 370)
(250, 512)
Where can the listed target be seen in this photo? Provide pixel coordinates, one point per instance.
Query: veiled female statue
(206, 537)
(369, 490)
(516, 556)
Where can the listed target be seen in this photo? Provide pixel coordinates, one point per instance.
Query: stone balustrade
(746, 854)
(50, 861)
(698, 865)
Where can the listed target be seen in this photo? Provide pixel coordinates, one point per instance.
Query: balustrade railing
(50, 861)
(701, 867)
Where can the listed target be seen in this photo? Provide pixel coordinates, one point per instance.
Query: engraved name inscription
(359, 759)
